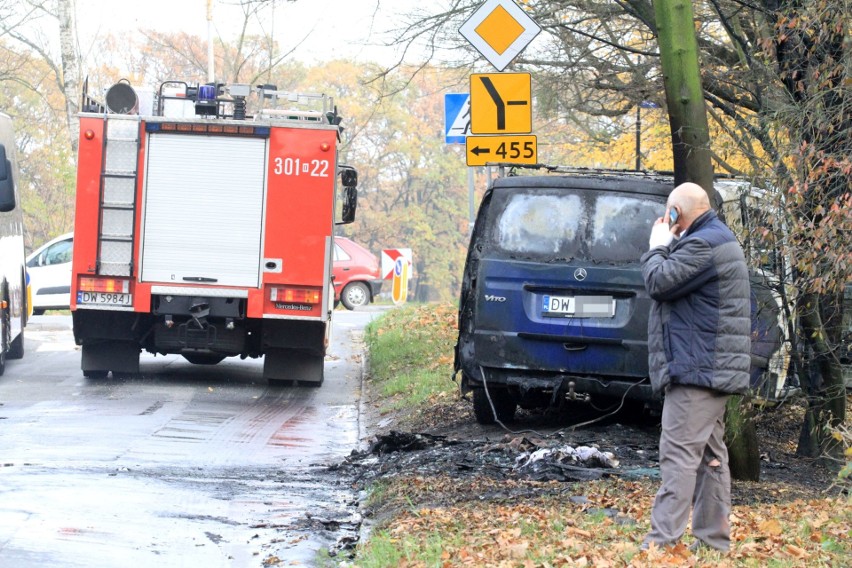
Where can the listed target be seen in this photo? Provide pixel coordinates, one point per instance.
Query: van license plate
(104, 299)
(578, 307)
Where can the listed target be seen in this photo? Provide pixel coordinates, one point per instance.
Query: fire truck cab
(206, 230)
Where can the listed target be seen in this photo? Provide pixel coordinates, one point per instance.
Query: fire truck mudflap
(204, 231)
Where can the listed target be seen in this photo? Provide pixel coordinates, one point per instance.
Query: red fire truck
(206, 230)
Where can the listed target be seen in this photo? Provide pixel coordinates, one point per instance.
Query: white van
(13, 278)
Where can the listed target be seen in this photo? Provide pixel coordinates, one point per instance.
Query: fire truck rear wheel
(355, 295)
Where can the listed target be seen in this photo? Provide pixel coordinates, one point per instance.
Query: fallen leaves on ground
(583, 525)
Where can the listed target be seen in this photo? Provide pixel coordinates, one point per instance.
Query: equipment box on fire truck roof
(207, 235)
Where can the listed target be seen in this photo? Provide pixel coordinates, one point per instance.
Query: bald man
(698, 355)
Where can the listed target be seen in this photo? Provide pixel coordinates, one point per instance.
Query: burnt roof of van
(621, 181)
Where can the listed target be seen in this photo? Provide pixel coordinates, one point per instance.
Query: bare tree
(23, 22)
(69, 56)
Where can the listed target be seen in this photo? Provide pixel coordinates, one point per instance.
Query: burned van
(553, 305)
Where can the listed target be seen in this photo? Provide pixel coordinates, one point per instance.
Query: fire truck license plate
(104, 298)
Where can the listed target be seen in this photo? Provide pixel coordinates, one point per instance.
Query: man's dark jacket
(699, 326)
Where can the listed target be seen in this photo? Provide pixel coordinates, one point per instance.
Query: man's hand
(661, 235)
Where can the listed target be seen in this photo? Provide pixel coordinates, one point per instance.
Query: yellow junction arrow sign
(500, 103)
(482, 150)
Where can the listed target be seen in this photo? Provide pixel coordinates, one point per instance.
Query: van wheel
(504, 405)
(355, 295)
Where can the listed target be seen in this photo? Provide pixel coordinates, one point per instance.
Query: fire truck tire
(355, 295)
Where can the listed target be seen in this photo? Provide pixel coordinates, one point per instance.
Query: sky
(330, 28)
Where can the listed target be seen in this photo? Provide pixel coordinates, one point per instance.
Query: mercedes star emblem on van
(580, 274)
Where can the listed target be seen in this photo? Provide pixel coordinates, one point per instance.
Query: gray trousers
(692, 437)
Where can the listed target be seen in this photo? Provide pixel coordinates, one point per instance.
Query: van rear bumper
(525, 383)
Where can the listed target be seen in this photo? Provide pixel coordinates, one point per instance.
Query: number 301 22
(299, 167)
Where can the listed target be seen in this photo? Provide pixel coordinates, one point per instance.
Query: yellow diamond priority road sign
(482, 150)
(499, 30)
(500, 103)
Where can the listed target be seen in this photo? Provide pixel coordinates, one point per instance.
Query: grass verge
(411, 360)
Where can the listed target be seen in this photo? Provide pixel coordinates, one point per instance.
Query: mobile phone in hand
(673, 216)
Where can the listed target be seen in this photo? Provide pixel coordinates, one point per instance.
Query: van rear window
(564, 224)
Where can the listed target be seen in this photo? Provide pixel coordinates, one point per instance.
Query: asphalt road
(188, 465)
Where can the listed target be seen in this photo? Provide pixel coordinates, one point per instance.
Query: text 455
(299, 167)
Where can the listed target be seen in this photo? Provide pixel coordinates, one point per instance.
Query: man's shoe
(699, 544)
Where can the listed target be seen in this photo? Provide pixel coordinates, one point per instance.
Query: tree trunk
(823, 381)
(684, 94)
(691, 150)
(70, 80)
(741, 439)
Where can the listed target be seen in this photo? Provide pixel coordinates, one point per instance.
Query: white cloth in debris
(586, 455)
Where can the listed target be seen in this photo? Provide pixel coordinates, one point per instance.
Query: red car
(357, 279)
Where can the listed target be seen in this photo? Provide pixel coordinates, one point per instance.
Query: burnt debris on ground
(544, 454)
(511, 457)
(447, 441)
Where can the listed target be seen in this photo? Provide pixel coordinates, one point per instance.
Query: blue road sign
(456, 117)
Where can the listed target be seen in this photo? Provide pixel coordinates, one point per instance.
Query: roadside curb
(362, 408)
